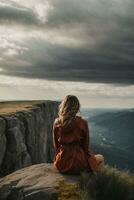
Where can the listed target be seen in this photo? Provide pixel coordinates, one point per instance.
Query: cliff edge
(26, 133)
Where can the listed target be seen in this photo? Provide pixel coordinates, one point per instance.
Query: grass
(68, 191)
(15, 106)
(107, 184)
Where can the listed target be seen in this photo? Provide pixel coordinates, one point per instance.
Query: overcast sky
(49, 49)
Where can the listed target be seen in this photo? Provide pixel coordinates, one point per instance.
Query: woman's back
(72, 132)
(72, 143)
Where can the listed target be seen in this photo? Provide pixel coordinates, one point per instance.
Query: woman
(71, 140)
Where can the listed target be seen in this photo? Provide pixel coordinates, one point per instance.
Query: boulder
(39, 182)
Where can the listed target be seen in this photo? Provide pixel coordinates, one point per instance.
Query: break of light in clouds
(88, 93)
(63, 46)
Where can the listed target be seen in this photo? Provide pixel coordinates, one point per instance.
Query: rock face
(26, 136)
(39, 182)
(2, 139)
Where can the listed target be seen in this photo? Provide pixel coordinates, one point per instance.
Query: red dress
(72, 147)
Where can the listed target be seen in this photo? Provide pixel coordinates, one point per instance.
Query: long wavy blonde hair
(68, 109)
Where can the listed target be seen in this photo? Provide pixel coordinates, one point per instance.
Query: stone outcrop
(39, 182)
(26, 136)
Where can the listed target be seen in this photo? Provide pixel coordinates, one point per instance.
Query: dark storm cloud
(25, 16)
(91, 41)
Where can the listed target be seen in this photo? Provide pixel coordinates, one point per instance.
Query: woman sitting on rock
(71, 140)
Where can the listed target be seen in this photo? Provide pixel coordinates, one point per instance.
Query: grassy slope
(107, 184)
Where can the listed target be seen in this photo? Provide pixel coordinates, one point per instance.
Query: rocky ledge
(39, 182)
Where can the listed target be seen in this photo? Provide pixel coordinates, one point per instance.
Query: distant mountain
(112, 134)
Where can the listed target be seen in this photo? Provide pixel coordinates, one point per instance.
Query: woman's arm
(56, 143)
